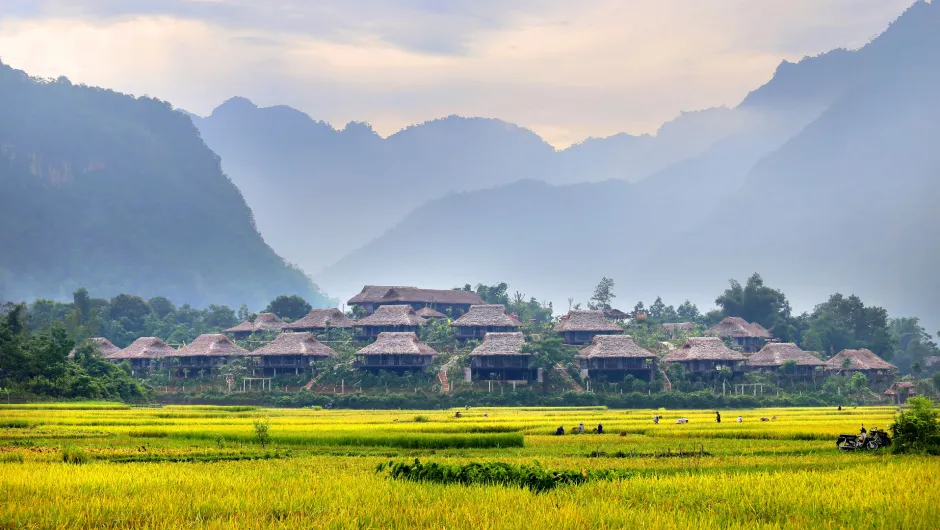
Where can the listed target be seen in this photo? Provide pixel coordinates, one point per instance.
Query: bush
(72, 455)
(917, 430)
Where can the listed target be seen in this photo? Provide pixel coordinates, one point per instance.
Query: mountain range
(829, 186)
(120, 194)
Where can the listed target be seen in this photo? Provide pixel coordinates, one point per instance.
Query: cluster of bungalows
(392, 316)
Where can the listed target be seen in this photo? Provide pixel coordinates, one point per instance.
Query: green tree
(546, 354)
(812, 341)
(603, 294)
(291, 307)
(688, 312)
(754, 302)
(161, 306)
(917, 429)
(494, 294)
(262, 431)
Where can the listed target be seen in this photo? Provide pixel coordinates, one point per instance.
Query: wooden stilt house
(500, 355)
(482, 319)
(389, 318)
(395, 352)
(616, 356)
(580, 326)
(291, 353)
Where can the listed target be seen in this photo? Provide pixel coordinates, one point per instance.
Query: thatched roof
(586, 320)
(778, 353)
(102, 345)
(263, 321)
(507, 343)
(859, 360)
(295, 344)
(212, 345)
(675, 327)
(427, 312)
(615, 314)
(146, 348)
(392, 315)
(322, 319)
(486, 315)
(386, 294)
(397, 343)
(736, 328)
(703, 349)
(615, 346)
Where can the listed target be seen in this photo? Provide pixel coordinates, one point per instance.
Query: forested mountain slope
(120, 194)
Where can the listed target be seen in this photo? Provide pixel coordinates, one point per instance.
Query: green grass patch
(534, 477)
(404, 441)
(17, 424)
(80, 405)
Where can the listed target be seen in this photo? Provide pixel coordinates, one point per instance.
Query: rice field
(203, 467)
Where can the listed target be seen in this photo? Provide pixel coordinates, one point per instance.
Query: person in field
(600, 429)
(740, 419)
(656, 420)
(717, 417)
(560, 431)
(581, 428)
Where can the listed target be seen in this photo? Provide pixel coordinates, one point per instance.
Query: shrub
(72, 455)
(917, 430)
(261, 431)
(421, 419)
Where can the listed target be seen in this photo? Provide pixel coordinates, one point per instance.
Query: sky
(566, 69)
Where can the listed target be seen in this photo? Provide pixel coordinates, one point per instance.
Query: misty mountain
(843, 203)
(294, 170)
(120, 194)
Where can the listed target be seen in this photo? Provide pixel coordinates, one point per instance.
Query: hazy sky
(564, 68)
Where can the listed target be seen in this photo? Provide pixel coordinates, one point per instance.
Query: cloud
(567, 70)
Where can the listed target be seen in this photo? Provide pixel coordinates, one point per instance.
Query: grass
(202, 467)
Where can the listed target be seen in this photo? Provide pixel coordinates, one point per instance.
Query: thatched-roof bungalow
(395, 352)
(102, 347)
(452, 302)
(901, 391)
(616, 314)
(142, 352)
(500, 353)
(848, 362)
(321, 321)
(580, 326)
(390, 318)
(775, 356)
(291, 352)
(616, 356)
(208, 352)
(485, 318)
(427, 312)
(704, 355)
(263, 322)
(674, 329)
(744, 335)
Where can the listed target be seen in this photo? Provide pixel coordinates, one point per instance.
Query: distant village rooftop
(703, 349)
(387, 294)
(264, 321)
(427, 312)
(486, 315)
(295, 344)
(212, 345)
(586, 320)
(777, 354)
(736, 328)
(859, 360)
(615, 346)
(322, 319)
(397, 343)
(392, 315)
(146, 348)
(503, 343)
(102, 345)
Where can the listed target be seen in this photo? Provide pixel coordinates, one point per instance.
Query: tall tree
(292, 307)
(603, 294)
(755, 302)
